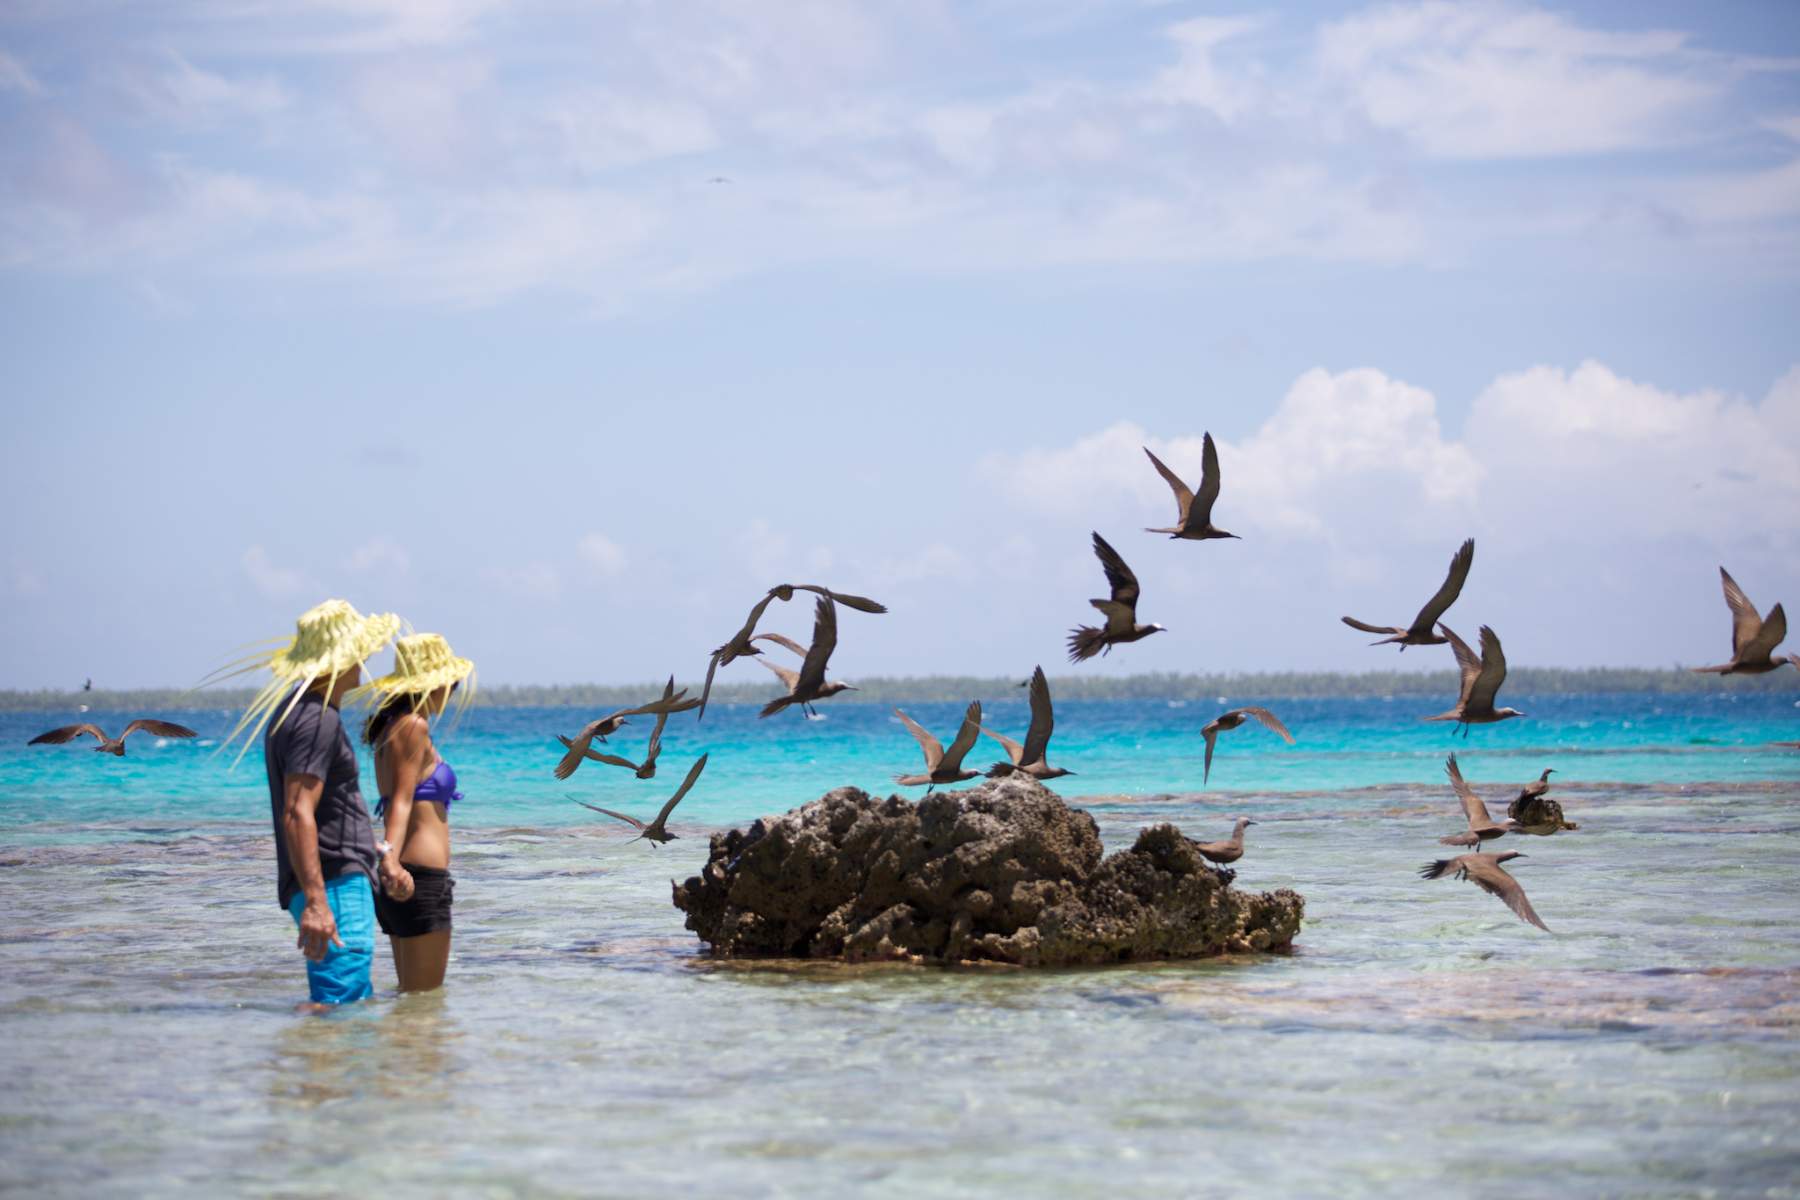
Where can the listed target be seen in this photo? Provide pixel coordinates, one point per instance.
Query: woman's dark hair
(375, 728)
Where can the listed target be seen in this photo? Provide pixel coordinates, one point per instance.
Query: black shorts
(427, 912)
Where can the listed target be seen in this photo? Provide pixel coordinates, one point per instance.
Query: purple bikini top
(438, 787)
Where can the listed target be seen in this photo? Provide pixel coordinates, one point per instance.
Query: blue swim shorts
(342, 976)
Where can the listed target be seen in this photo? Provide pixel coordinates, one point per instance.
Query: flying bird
(647, 768)
(808, 684)
(1226, 851)
(1484, 871)
(1231, 720)
(1029, 759)
(1752, 637)
(1482, 827)
(115, 746)
(582, 742)
(943, 766)
(1481, 680)
(1120, 610)
(741, 644)
(1193, 512)
(1419, 632)
(657, 830)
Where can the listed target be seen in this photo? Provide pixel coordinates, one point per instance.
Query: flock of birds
(1753, 642)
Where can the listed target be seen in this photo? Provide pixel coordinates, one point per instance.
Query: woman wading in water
(417, 788)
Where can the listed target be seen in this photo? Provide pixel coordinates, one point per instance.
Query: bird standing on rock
(1419, 632)
(1193, 512)
(1120, 610)
(1227, 851)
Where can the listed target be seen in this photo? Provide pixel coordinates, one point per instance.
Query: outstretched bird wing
(1473, 809)
(965, 738)
(790, 678)
(824, 641)
(1447, 594)
(1201, 512)
(1013, 750)
(57, 737)
(625, 817)
(1492, 674)
(1119, 578)
(1491, 878)
(739, 644)
(611, 760)
(742, 637)
(781, 639)
(1773, 630)
(1745, 624)
(934, 749)
(693, 774)
(167, 729)
(1466, 662)
(1353, 623)
(1043, 720)
(1184, 499)
(1271, 720)
(1209, 731)
(859, 603)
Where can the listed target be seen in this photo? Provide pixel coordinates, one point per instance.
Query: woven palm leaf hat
(423, 663)
(329, 639)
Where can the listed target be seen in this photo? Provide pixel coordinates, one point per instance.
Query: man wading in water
(326, 855)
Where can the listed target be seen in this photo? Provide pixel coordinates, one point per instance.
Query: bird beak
(849, 688)
(1253, 822)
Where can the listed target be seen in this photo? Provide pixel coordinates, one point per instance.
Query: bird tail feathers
(1085, 641)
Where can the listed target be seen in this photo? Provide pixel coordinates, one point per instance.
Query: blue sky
(565, 329)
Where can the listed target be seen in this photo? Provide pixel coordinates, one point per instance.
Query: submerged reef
(1005, 872)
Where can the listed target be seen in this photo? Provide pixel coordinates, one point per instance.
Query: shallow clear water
(1418, 1034)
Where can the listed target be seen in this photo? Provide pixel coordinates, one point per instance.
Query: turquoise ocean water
(1418, 1035)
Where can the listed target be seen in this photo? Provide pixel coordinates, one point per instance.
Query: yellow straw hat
(329, 639)
(423, 663)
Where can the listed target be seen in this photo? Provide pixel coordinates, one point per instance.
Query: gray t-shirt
(312, 741)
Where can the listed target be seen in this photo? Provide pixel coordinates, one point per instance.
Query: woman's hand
(396, 880)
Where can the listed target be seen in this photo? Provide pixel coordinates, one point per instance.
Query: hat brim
(413, 683)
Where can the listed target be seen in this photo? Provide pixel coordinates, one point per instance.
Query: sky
(566, 329)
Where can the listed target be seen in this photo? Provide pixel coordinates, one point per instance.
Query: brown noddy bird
(657, 830)
(1193, 511)
(1482, 827)
(1536, 787)
(1029, 759)
(1229, 851)
(1752, 637)
(1419, 632)
(577, 748)
(941, 765)
(1231, 720)
(808, 683)
(1483, 870)
(647, 768)
(114, 746)
(1481, 680)
(742, 642)
(1120, 610)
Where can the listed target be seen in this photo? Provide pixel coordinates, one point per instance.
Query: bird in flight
(657, 830)
(1029, 759)
(578, 746)
(1419, 632)
(742, 643)
(1231, 720)
(647, 768)
(114, 746)
(943, 766)
(1484, 871)
(1120, 610)
(1481, 680)
(809, 684)
(1193, 511)
(1482, 827)
(1752, 637)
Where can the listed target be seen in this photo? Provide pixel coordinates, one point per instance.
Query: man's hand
(318, 931)
(396, 880)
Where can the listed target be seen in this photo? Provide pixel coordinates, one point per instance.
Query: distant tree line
(1538, 681)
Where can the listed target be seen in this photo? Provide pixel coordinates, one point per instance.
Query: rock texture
(1541, 815)
(1005, 872)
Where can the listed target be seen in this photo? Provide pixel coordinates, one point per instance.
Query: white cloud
(379, 554)
(268, 578)
(15, 78)
(1195, 79)
(538, 581)
(602, 554)
(602, 130)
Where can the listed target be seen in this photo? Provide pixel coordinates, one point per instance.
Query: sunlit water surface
(1418, 1035)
